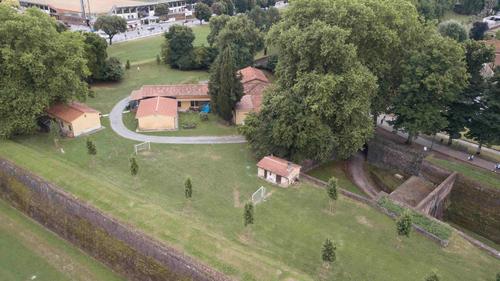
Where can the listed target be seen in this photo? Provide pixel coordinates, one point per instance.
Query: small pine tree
(498, 276)
(127, 65)
(432, 277)
(188, 188)
(158, 60)
(91, 148)
(331, 190)
(404, 224)
(248, 214)
(328, 252)
(134, 167)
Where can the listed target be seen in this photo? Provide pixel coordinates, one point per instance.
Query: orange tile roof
(69, 112)
(249, 103)
(157, 106)
(277, 165)
(173, 91)
(251, 73)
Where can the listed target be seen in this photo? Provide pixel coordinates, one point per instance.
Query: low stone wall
(384, 153)
(471, 205)
(433, 204)
(126, 250)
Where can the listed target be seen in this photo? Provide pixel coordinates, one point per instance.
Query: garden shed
(278, 171)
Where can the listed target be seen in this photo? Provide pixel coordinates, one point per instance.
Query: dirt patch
(236, 198)
(364, 221)
(215, 157)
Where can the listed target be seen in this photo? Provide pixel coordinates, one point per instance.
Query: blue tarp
(205, 108)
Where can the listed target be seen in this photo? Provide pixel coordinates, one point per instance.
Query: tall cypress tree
(225, 86)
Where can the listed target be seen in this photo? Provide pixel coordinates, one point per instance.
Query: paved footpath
(359, 177)
(444, 149)
(115, 118)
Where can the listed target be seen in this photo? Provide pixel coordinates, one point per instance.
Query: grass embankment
(386, 177)
(30, 252)
(214, 126)
(144, 50)
(440, 230)
(481, 175)
(290, 227)
(335, 169)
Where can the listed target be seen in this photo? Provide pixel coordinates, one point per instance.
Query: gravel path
(358, 175)
(115, 118)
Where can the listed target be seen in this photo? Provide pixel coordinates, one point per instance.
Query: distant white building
(135, 12)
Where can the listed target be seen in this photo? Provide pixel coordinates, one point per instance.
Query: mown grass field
(144, 50)
(481, 175)
(290, 227)
(30, 252)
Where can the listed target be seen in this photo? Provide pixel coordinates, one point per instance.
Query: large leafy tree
(264, 18)
(202, 12)
(241, 34)
(162, 10)
(216, 25)
(433, 9)
(95, 52)
(178, 48)
(453, 29)
(40, 67)
(384, 32)
(111, 25)
(485, 123)
(467, 102)
(321, 100)
(433, 75)
(225, 88)
(241, 5)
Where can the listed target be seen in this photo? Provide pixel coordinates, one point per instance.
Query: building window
(178, 104)
(70, 128)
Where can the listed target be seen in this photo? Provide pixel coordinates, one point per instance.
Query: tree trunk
(110, 40)
(375, 117)
(479, 148)
(409, 140)
(450, 140)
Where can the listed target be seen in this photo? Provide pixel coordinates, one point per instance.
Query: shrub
(113, 70)
(203, 116)
(127, 65)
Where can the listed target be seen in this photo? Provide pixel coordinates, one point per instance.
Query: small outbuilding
(157, 114)
(75, 119)
(278, 171)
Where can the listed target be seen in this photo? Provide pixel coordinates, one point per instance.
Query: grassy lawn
(475, 173)
(335, 169)
(145, 50)
(466, 20)
(212, 127)
(28, 250)
(290, 226)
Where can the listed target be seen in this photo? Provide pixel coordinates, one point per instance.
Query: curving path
(115, 119)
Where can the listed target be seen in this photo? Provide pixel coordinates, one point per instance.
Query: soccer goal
(142, 146)
(259, 195)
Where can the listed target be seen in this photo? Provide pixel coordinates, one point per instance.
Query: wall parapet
(122, 247)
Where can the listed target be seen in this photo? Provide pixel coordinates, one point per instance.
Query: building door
(265, 174)
(278, 179)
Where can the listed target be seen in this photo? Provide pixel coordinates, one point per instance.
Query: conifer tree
(188, 188)
(328, 253)
(331, 190)
(134, 167)
(248, 214)
(404, 223)
(225, 86)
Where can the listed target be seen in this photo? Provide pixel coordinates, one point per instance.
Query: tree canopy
(320, 103)
(40, 67)
(241, 34)
(162, 10)
(202, 12)
(95, 52)
(434, 75)
(111, 25)
(216, 25)
(178, 47)
(453, 29)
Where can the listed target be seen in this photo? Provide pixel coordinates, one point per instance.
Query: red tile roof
(69, 112)
(277, 165)
(249, 103)
(157, 106)
(173, 91)
(251, 74)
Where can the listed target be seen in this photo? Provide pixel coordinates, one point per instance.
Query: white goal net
(259, 195)
(142, 147)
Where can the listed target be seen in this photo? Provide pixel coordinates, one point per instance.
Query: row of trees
(330, 81)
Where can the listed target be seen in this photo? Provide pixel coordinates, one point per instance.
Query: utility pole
(82, 4)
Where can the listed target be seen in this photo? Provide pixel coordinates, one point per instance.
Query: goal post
(259, 195)
(142, 146)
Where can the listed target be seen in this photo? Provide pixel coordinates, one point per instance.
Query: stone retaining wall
(121, 247)
(471, 204)
(384, 153)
